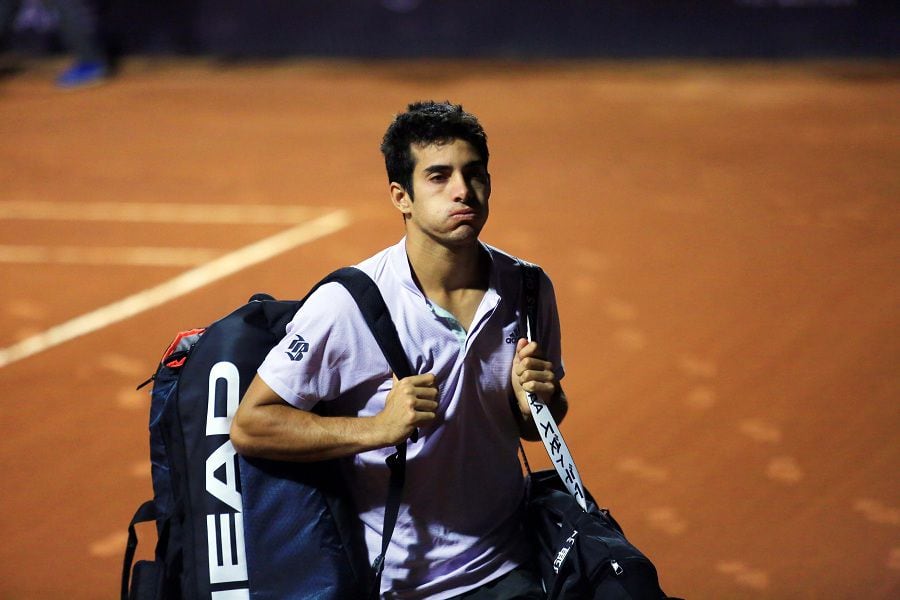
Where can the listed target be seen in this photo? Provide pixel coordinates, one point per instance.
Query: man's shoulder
(507, 264)
(334, 298)
(330, 298)
(376, 266)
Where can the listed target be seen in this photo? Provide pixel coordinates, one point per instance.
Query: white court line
(182, 284)
(152, 212)
(142, 256)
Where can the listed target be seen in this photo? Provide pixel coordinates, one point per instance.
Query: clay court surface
(724, 241)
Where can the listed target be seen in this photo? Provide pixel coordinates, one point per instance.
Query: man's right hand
(411, 403)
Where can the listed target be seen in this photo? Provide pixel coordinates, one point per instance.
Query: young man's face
(451, 188)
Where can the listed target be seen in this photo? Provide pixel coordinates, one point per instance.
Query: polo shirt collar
(399, 261)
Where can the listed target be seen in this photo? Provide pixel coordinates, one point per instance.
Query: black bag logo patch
(564, 552)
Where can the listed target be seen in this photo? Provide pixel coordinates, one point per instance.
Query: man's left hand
(531, 373)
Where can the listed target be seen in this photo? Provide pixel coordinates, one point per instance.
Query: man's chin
(465, 233)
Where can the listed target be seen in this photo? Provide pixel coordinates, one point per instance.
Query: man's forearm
(286, 433)
(267, 427)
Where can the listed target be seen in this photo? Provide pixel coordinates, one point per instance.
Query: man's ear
(400, 198)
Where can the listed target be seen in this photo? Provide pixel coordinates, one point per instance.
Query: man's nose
(459, 187)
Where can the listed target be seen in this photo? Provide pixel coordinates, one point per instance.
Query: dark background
(518, 29)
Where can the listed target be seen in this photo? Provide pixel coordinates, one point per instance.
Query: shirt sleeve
(319, 357)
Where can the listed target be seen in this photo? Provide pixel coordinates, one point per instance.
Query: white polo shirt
(458, 526)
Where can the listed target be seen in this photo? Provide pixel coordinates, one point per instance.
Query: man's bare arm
(266, 426)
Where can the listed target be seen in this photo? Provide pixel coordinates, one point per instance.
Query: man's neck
(442, 270)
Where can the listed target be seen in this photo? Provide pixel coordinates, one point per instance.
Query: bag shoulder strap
(547, 427)
(371, 303)
(375, 312)
(531, 287)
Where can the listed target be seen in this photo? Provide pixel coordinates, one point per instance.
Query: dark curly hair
(426, 123)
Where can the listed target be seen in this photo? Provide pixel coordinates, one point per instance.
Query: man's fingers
(420, 386)
(426, 393)
(533, 365)
(525, 349)
(420, 392)
(423, 405)
(537, 375)
(423, 380)
(538, 387)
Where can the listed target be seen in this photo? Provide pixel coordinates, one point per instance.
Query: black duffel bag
(583, 554)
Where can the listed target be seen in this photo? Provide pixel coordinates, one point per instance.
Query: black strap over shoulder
(531, 284)
(371, 303)
(531, 288)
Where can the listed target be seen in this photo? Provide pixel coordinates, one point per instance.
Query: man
(457, 306)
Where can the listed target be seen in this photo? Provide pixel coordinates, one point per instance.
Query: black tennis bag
(581, 554)
(230, 528)
(584, 555)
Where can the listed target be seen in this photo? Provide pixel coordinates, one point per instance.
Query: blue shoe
(82, 74)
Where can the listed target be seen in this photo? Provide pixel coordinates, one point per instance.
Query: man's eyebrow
(475, 164)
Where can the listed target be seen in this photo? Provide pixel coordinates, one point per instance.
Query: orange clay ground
(724, 242)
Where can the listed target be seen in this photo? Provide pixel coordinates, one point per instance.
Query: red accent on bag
(174, 345)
